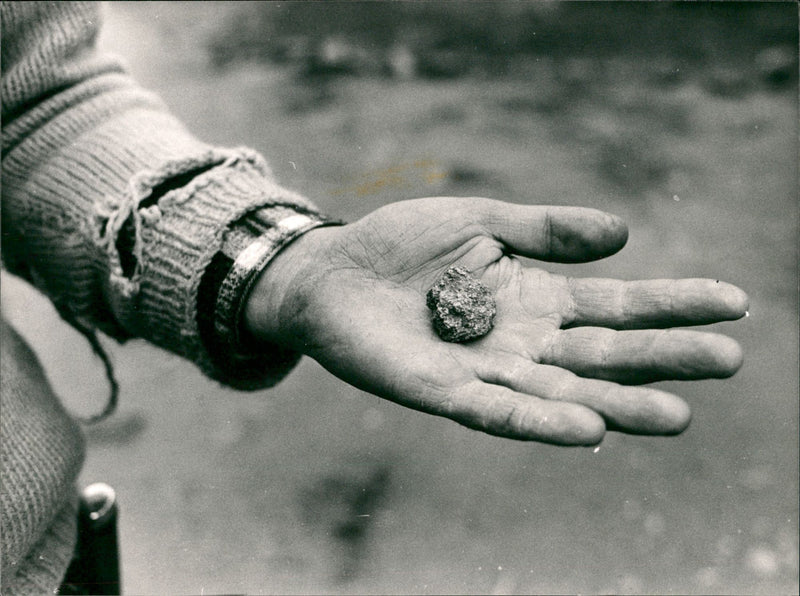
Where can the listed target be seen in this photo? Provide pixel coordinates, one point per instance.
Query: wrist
(277, 304)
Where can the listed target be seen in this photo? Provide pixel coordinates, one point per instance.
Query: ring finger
(634, 410)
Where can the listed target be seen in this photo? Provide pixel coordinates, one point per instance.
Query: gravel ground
(315, 487)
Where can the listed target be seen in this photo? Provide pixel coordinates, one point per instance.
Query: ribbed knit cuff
(113, 176)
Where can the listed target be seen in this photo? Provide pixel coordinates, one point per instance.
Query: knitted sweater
(130, 225)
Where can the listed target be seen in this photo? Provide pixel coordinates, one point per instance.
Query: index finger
(656, 303)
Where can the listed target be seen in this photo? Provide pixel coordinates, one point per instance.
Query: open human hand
(564, 359)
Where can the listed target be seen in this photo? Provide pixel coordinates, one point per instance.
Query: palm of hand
(552, 369)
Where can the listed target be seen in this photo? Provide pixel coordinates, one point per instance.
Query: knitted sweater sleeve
(111, 207)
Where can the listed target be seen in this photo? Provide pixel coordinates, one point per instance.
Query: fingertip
(610, 236)
(581, 427)
(580, 235)
(659, 413)
(733, 301)
(591, 431)
(737, 300)
(613, 235)
(673, 416)
(679, 416)
(618, 229)
(730, 356)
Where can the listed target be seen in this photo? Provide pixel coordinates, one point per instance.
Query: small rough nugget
(463, 308)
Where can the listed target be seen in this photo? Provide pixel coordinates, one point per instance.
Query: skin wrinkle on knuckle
(671, 296)
(653, 349)
(553, 351)
(607, 344)
(594, 351)
(445, 405)
(498, 409)
(624, 303)
(547, 232)
(510, 417)
(570, 312)
(472, 409)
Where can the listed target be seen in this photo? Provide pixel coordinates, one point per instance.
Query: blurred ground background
(682, 118)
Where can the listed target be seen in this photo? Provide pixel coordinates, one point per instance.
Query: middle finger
(643, 356)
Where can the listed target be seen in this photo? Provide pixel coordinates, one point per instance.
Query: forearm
(110, 205)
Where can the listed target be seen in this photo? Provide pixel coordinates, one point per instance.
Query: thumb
(549, 233)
